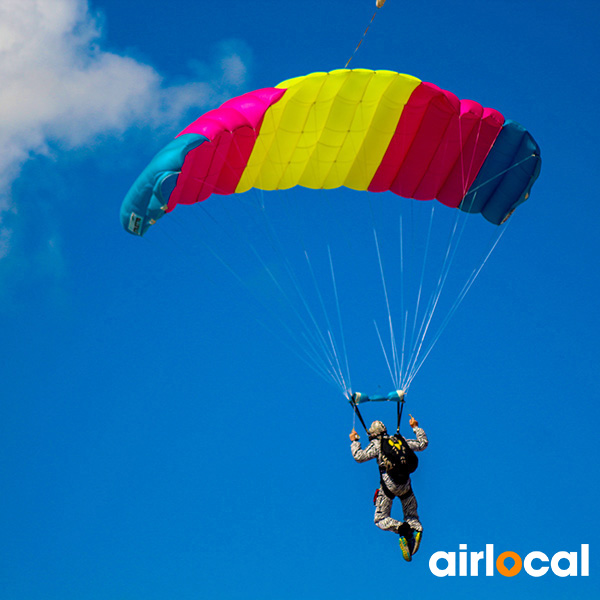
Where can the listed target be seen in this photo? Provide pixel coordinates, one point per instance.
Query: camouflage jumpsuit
(390, 489)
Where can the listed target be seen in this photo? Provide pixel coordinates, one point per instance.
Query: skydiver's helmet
(377, 428)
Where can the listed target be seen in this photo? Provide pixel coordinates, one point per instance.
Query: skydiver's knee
(380, 518)
(388, 524)
(381, 514)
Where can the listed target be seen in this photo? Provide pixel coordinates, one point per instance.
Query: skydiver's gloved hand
(354, 436)
(413, 422)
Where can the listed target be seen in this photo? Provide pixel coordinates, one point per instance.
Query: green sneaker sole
(405, 550)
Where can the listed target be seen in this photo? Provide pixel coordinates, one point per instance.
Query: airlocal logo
(509, 564)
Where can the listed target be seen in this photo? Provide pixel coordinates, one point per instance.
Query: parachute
(366, 130)
(369, 131)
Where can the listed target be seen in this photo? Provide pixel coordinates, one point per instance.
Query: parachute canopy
(365, 130)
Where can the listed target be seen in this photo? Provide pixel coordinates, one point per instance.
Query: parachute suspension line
(452, 247)
(314, 362)
(329, 350)
(337, 303)
(403, 311)
(495, 240)
(503, 172)
(320, 296)
(465, 175)
(413, 341)
(451, 250)
(405, 326)
(285, 295)
(395, 376)
(395, 359)
(361, 39)
(309, 352)
(394, 380)
(450, 253)
(307, 359)
(342, 382)
(294, 310)
(333, 372)
(277, 247)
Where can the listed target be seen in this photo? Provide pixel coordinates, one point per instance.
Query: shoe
(416, 541)
(406, 555)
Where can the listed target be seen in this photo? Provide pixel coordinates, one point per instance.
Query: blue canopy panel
(509, 171)
(146, 201)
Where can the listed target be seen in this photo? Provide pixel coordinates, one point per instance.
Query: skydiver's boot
(417, 536)
(405, 541)
(406, 555)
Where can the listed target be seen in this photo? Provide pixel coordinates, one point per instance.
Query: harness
(398, 461)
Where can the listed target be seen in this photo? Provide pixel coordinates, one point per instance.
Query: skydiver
(411, 530)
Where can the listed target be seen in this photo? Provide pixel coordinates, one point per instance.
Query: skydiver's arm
(359, 455)
(421, 442)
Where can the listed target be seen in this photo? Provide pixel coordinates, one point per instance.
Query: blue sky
(156, 440)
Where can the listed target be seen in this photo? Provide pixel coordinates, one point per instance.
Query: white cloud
(232, 63)
(57, 84)
(5, 235)
(60, 89)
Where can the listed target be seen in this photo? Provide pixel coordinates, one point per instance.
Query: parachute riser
(400, 408)
(357, 411)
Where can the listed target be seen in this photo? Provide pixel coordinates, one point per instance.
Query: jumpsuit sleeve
(359, 455)
(421, 442)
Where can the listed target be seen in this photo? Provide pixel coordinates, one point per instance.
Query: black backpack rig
(397, 458)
